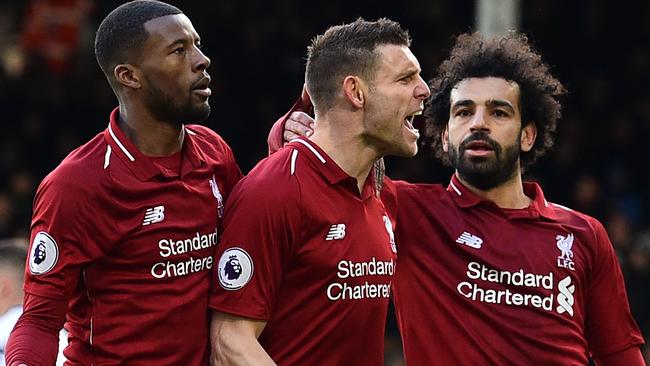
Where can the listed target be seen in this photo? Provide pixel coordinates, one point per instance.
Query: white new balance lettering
(470, 240)
(154, 215)
(337, 231)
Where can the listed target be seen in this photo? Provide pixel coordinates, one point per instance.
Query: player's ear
(353, 89)
(127, 75)
(528, 136)
(445, 139)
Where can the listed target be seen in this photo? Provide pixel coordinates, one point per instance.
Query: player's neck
(150, 135)
(509, 194)
(346, 148)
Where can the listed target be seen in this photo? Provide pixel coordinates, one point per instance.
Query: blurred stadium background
(54, 97)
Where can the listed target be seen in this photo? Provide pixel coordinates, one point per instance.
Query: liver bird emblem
(564, 243)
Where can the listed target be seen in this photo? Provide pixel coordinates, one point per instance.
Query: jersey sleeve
(66, 233)
(609, 326)
(35, 337)
(262, 222)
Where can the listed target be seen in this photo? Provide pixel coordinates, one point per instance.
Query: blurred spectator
(12, 264)
(52, 31)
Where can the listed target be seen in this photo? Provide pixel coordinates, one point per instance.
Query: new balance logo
(470, 240)
(154, 215)
(337, 231)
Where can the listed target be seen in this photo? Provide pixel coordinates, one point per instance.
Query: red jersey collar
(329, 169)
(538, 207)
(142, 166)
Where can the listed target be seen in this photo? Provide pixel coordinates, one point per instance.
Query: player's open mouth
(479, 145)
(478, 148)
(408, 122)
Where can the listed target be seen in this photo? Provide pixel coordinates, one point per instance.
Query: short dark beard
(485, 173)
(162, 107)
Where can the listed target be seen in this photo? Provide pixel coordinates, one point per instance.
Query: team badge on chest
(217, 195)
(565, 243)
(391, 236)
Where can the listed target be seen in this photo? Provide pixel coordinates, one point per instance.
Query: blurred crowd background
(53, 97)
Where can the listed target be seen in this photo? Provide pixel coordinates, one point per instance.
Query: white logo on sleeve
(154, 215)
(43, 254)
(337, 232)
(565, 298)
(235, 269)
(470, 240)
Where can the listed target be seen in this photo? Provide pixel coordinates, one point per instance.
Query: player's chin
(406, 150)
(199, 113)
(410, 143)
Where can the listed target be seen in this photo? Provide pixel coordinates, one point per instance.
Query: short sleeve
(65, 234)
(262, 222)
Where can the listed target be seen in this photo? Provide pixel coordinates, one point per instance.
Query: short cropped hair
(121, 34)
(348, 49)
(512, 58)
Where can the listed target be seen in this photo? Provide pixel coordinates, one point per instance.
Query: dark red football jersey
(480, 285)
(131, 245)
(304, 251)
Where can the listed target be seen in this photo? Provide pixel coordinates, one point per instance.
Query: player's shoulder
(276, 168)
(272, 178)
(206, 137)
(83, 167)
(407, 189)
(79, 177)
(212, 145)
(568, 216)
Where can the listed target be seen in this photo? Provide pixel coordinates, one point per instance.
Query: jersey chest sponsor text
(518, 288)
(549, 287)
(374, 274)
(368, 275)
(184, 256)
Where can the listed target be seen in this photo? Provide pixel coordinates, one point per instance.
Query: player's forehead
(167, 30)
(396, 59)
(481, 91)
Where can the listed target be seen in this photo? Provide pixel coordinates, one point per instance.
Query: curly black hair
(512, 58)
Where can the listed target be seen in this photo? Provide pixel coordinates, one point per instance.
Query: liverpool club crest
(217, 196)
(565, 243)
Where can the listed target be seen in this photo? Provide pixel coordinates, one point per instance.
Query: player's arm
(54, 264)
(234, 341)
(297, 122)
(611, 332)
(35, 338)
(630, 357)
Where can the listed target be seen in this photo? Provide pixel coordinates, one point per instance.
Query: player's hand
(298, 124)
